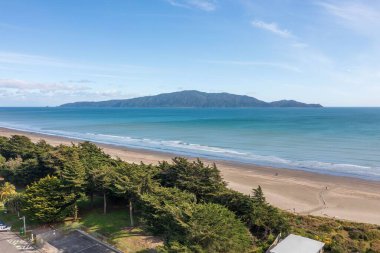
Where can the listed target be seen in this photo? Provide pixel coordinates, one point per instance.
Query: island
(192, 99)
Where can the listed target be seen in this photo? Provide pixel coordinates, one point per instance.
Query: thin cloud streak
(204, 5)
(81, 81)
(356, 15)
(283, 66)
(272, 27)
(26, 85)
(30, 59)
(352, 11)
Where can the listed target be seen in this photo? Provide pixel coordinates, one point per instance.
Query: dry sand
(296, 191)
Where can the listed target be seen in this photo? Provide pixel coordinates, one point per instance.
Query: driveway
(11, 243)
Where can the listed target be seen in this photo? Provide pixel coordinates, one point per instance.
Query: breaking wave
(196, 150)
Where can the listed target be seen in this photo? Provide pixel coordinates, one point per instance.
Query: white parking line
(11, 243)
(21, 244)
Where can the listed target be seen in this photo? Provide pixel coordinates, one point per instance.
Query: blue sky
(317, 51)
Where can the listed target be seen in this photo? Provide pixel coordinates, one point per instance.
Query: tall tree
(14, 203)
(258, 196)
(123, 187)
(47, 200)
(132, 180)
(9, 169)
(18, 145)
(214, 228)
(104, 178)
(92, 158)
(72, 174)
(204, 181)
(242, 205)
(265, 219)
(165, 211)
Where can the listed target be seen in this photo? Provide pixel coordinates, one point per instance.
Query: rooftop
(297, 244)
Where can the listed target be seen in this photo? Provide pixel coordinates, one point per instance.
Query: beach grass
(338, 235)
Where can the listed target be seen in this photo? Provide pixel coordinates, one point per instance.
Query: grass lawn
(15, 221)
(10, 219)
(114, 227)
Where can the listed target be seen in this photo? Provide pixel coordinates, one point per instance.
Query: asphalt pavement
(11, 243)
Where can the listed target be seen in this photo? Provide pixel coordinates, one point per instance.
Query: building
(297, 244)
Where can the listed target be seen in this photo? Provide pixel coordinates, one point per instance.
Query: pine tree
(103, 178)
(47, 201)
(214, 228)
(258, 196)
(123, 186)
(92, 158)
(72, 174)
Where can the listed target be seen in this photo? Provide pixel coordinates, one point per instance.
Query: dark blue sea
(338, 141)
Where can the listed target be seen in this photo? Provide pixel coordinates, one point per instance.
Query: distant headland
(192, 98)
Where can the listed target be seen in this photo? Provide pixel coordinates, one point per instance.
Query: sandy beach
(296, 191)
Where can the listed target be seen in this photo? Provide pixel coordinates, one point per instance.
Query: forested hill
(192, 98)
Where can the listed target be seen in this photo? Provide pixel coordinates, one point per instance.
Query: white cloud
(272, 27)
(44, 87)
(363, 16)
(205, 5)
(18, 93)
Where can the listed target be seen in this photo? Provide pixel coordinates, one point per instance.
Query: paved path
(11, 243)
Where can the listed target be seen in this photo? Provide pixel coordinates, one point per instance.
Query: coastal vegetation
(186, 203)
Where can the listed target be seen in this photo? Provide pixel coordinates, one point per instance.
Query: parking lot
(11, 243)
(76, 241)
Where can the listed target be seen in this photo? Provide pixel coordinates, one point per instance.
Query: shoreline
(297, 191)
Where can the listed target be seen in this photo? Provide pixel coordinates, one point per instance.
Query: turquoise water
(339, 141)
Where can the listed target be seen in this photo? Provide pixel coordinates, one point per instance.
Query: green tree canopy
(7, 190)
(9, 169)
(214, 228)
(165, 211)
(2, 160)
(14, 203)
(239, 203)
(104, 179)
(3, 143)
(72, 171)
(47, 200)
(17, 145)
(258, 196)
(92, 158)
(266, 220)
(195, 177)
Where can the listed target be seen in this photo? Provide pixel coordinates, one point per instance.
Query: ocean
(336, 141)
